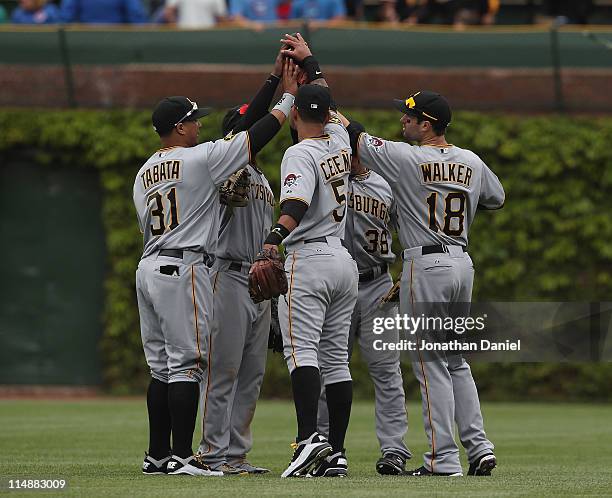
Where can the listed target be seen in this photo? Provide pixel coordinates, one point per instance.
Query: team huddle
(214, 291)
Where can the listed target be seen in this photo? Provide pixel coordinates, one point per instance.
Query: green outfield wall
(528, 47)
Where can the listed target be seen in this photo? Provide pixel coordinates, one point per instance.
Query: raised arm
(258, 107)
(299, 51)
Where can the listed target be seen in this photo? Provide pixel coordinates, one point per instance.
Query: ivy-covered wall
(552, 241)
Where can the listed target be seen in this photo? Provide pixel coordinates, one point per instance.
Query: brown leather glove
(236, 189)
(267, 278)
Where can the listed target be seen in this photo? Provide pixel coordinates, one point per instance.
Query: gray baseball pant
(448, 391)
(175, 311)
(237, 361)
(383, 367)
(315, 315)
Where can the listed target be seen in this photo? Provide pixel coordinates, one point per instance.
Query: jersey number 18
(451, 211)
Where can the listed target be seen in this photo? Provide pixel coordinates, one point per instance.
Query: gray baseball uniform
(176, 199)
(239, 332)
(316, 314)
(437, 190)
(371, 211)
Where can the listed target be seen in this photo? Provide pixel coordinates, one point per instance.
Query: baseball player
(370, 215)
(437, 188)
(316, 312)
(177, 203)
(239, 331)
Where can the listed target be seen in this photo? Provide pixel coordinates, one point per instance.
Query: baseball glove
(275, 338)
(236, 189)
(267, 278)
(393, 296)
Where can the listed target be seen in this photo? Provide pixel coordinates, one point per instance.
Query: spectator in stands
(472, 12)
(103, 11)
(380, 10)
(568, 11)
(195, 14)
(434, 11)
(328, 12)
(35, 12)
(253, 14)
(457, 12)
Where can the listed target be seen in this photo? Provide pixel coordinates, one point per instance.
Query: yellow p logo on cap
(410, 102)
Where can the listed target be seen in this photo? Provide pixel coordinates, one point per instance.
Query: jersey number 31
(157, 211)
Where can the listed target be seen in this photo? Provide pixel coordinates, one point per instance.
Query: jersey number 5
(158, 211)
(451, 210)
(337, 186)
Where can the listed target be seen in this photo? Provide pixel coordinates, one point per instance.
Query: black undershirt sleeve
(258, 107)
(262, 132)
(354, 130)
(294, 208)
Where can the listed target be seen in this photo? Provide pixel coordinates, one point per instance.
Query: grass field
(97, 445)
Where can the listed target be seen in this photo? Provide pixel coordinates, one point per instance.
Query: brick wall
(141, 86)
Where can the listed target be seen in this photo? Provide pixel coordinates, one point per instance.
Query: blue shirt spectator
(254, 10)
(35, 12)
(103, 11)
(318, 10)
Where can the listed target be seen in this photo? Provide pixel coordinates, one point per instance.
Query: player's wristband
(284, 104)
(277, 235)
(311, 68)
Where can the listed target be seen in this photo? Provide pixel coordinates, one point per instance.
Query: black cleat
(151, 466)
(422, 471)
(391, 464)
(483, 466)
(307, 453)
(335, 465)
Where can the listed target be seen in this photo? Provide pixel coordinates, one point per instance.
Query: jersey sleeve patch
(291, 181)
(374, 142)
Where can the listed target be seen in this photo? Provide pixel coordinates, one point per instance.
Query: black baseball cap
(231, 118)
(313, 101)
(426, 105)
(174, 110)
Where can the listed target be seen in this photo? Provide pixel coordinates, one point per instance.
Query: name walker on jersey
(446, 173)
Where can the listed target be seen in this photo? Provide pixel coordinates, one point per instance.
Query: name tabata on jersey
(260, 192)
(368, 205)
(338, 165)
(446, 173)
(167, 171)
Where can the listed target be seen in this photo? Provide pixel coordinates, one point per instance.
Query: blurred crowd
(255, 14)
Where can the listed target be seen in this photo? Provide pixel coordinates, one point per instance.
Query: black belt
(207, 259)
(437, 248)
(318, 239)
(373, 273)
(235, 266)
